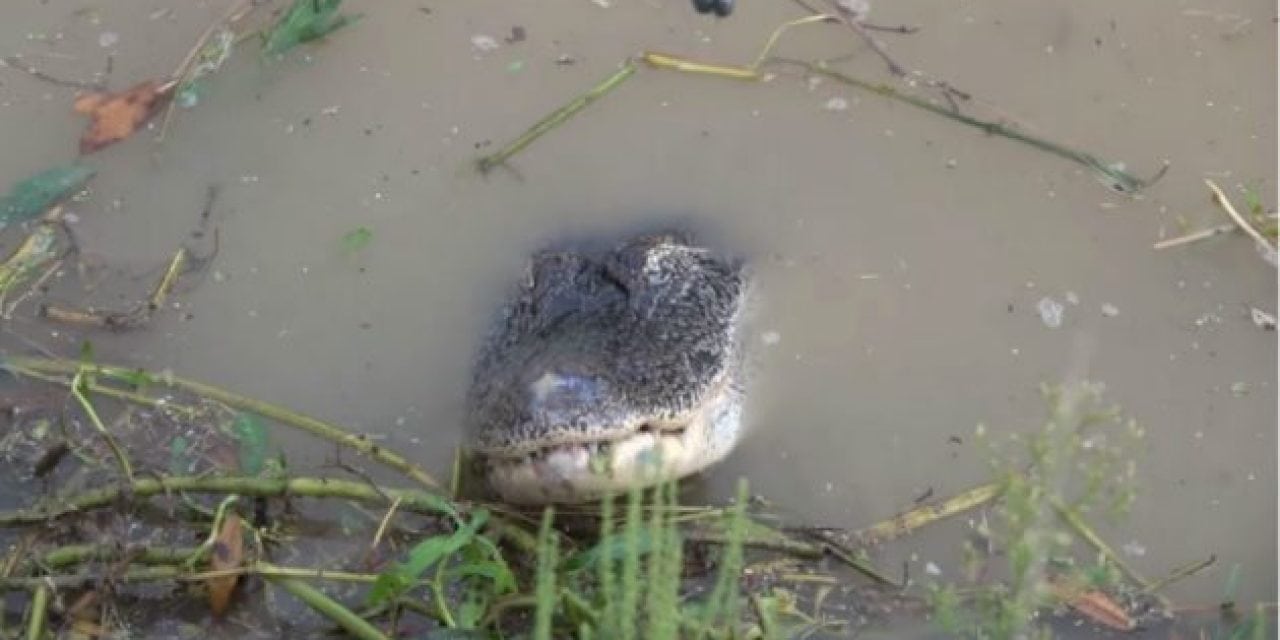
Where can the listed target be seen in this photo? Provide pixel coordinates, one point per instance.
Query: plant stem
(341, 615)
(925, 514)
(545, 582)
(556, 118)
(39, 611)
(1180, 573)
(218, 517)
(413, 500)
(121, 459)
(1082, 528)
(1117, 178)
(78, 553)
(178, 573)
(361, 443)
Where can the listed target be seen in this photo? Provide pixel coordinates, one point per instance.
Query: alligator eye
(647, 428)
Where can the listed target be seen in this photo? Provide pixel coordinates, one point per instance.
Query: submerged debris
(33, 196)
(1262, 319)
(1050, 312)
(115, 116)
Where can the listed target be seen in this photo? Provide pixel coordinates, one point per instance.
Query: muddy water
(901, 257)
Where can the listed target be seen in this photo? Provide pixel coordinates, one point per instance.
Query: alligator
(610, 370)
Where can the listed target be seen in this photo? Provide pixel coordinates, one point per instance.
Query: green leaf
(614, 548)
(36, 194)
(251, 435)
(305, 20)
(137, 378)
(396, 580)
(504, 581)
(356, 239)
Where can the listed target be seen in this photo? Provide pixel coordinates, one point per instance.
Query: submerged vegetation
(144, 487)
(641, 567)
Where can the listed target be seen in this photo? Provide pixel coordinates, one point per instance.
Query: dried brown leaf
(1097, 607)
(115, 116)
(228, 553)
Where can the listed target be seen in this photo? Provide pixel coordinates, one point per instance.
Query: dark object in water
(610, 370)
(721, 8)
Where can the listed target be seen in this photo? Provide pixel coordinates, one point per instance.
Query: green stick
(341, 615)
(39, 611)
(1082, 528)
(121, 459)
(361, 443)
(413, 500)
(78, 553)
(556, 118)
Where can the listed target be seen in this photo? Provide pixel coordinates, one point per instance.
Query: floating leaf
(400, 577)
(36, 194)
(228, 553)
(1096, 606)
(305, 20)
(115, 116)
(356, 239)
(251, 435)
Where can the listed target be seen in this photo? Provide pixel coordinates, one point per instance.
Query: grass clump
(1077, 463)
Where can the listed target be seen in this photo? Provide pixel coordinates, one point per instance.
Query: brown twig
(137, 317)
(1221, 199)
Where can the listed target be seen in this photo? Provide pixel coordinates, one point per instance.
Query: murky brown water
(901, 256)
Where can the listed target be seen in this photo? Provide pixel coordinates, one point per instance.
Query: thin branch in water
(556, 118)
(1180, 573)
(1194, 236)
(1082, 528)
(15, 62)
(386, 521)
(342, 616)
(30, 290)
(1115, 177)
(236, 12)
(925, 514)
(137, 317)
(78, 391)
(361, 443)
(144, 487)
(851, 21)
(1221, 199)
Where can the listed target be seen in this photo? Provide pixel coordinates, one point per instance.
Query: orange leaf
(1096, 606)
(115, 116)
(88, 102)
(228, 553)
